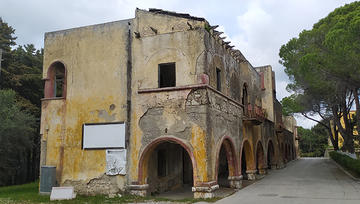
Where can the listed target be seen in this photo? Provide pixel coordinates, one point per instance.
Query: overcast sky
(256, 27)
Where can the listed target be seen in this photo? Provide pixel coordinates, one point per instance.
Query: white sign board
(62, 193)
(104, 136)
(116, 162)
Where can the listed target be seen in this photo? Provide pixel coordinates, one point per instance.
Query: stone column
(280, 165)
(139, 190)
(263, 171)
(235, 181)
(251, 174)
(205, 190)
(272, 166)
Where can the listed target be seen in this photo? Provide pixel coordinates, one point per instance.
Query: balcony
(254, 114)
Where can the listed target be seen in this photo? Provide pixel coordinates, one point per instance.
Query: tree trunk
(333, 137)
(357, 106)
(345, 133)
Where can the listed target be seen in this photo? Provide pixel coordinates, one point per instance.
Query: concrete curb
(344, 170)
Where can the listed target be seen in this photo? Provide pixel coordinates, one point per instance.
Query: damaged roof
(171, 13)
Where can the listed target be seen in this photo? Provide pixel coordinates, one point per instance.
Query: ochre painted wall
(95, 59)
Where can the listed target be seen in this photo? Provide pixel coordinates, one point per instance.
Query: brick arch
(230, 156)
(145, 156)
(260, 156)
(249, 155)
(50, 79)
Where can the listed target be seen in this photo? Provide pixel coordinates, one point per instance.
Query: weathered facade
(197, 114)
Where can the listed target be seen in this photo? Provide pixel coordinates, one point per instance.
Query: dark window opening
(167, 76)
(218, 79)
(55, 85)
(161, 163)
(59, 82)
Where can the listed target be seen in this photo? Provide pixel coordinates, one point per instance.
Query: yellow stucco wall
(340, 138)
(268, 94)
(95, 58)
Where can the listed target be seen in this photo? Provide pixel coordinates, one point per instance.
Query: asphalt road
(307, 180)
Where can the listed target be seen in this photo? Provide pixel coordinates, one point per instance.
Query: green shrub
(312, 154)
(347, 162)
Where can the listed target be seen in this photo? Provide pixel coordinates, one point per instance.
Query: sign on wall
(116, 162)
(103, 135)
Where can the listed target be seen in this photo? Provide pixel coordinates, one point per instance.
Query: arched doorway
(260, 159)
(165, 165)
(248, 168)
(271, 156)
(227, 165)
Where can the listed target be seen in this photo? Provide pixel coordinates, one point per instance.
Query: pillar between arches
(251, 174)
(263, 171)
(138, 190)
(235, 181)
(205, 190)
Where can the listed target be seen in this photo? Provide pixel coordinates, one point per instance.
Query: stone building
(155, 103)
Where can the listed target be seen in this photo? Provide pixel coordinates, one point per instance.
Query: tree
(6, 41)
(309, 108)
(313, 142)
(17, 129)
(324, 65)
(21, 74)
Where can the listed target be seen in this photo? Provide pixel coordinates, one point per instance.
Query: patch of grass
(29, 193)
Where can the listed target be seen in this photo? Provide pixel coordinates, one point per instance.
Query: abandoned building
(158, 102)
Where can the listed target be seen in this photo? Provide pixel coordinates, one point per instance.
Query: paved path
(303, 181)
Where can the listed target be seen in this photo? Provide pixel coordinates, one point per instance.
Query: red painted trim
(262, 80)
(150, 147)
(49, 82)
(230, 155)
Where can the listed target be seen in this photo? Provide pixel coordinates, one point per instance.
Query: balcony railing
(255, 114)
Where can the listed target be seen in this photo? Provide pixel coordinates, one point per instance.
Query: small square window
(167, 76)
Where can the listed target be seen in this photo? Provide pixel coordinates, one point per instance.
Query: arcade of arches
(169, 163)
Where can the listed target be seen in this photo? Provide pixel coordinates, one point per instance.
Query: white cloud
(257, 27)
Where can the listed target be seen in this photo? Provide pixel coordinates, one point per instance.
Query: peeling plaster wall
(268, 92)
(95, 58)
(162, 114)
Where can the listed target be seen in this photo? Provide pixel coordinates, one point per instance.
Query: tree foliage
(21, 89)
(313, 142)
(17, 129)
(323, 65)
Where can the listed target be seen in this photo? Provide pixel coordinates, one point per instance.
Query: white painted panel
(104, 136)
(62, 193)
(116, 162)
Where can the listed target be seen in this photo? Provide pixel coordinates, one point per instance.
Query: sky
(257, 28)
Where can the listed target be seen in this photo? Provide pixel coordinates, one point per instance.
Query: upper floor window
(167, 75)
(244, 99)
(55, 85)
(218, 79)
